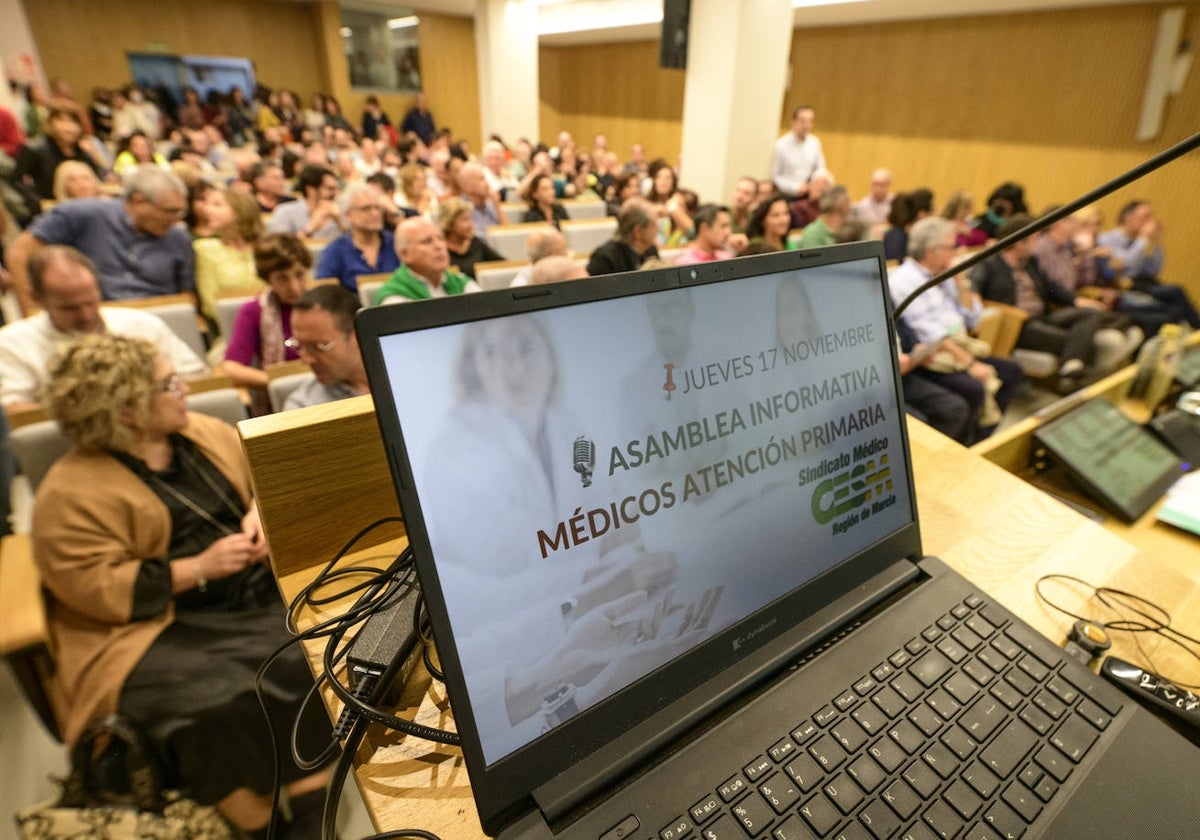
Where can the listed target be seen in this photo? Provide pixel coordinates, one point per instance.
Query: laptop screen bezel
(503, 789)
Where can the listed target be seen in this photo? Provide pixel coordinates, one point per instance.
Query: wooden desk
(983, 521)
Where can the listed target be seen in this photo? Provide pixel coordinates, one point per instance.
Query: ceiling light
(403, 22)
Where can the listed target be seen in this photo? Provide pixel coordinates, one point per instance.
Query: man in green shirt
(424, 270)
(822, 232)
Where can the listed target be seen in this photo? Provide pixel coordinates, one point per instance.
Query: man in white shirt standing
(63, 283)
(798, 154)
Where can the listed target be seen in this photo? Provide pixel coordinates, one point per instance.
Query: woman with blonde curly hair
(162, 605)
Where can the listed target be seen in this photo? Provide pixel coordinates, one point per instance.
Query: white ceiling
(602, 21)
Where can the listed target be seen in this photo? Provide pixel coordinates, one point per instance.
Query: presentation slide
(607, 485)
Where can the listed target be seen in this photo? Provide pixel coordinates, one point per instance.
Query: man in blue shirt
(942, 315)
(368, 248)
(138, 246)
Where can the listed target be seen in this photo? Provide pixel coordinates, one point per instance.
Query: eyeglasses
(172, 384)
(369, 208)
(310, 346)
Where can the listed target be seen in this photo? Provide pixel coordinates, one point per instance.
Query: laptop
(666, 528)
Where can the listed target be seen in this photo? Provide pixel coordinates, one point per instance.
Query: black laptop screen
(606, 485)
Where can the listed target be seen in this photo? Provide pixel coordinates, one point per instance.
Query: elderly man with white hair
(138, 245)
(425, 270)
(367, 248)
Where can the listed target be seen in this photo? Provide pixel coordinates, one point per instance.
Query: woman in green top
(226, 261)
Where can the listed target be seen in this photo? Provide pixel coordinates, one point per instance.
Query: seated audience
(625, 185)
(806, 208)
(263, 324)
(135, 150)
(162, 602)
(63, 284)
(456, 221)
(835, 209)
(424, 270)
(1136, 251)
(367, 248)
(539, 245)
(745, 193)
(947, 311)
(1059, 322)
(1005, 200)
(900, 219)
(63, 141)
(375, 123)
(633, 243)
(485, 205)
(74, 179)
(770, 223)
(942, 408)
(226, 261)
(852, 230)
(196, 218)
(316, 214)
(555, 269)
(712, 223)
(542, 206)
(323, 336)
(873, 208)
(499, 176)
(960, 209)
(269, 186)
(417, 195)
(137, 245)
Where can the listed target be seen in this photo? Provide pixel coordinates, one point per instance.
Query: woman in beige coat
(162, 604)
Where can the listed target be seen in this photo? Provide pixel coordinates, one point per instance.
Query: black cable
(1154, 619)
(420, 623)
(337, 779)
(362, 605)
(345, 549)
(1161, 159)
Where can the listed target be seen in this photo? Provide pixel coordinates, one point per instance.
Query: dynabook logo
(851, 489)
(757, 631)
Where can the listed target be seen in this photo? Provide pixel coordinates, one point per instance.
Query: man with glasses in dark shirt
(323, 336)
(138, 246)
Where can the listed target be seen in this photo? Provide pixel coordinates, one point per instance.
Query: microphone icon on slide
(584, 452)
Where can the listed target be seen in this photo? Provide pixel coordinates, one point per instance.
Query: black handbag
(116, 791)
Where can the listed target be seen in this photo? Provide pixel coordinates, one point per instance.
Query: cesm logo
(868, 479)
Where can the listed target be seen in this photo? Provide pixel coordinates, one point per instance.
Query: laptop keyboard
(967, 731)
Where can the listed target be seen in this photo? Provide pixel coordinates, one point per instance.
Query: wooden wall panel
(618, 89)
(449, 76)
(85, 43)
(1048, 99)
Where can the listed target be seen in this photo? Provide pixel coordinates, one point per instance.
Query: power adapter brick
(386, 649)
